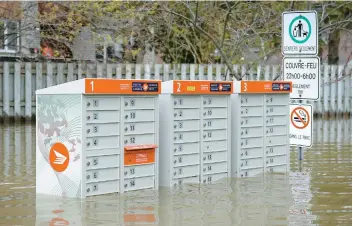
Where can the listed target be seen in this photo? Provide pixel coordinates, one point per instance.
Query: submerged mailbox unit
(260, 127)
(194, 132)
(97, 136)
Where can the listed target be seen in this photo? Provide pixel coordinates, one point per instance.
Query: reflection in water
(316, 191)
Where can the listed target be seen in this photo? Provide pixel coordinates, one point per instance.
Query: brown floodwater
(317, 191)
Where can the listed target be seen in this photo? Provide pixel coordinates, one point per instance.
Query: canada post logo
(280, 86)
(190, 88)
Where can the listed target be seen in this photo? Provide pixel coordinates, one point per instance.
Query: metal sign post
(301, 66)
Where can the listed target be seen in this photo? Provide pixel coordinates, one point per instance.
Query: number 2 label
(179, 85)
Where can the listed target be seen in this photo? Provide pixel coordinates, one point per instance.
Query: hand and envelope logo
(59, 157)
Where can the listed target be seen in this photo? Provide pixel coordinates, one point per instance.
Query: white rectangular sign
(301, 121)
(304, 73)
(299, 33)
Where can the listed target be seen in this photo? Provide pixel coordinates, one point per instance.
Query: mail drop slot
(215, 135)
(187, 148)
(182, 114)
(276, 150)
(139, 154)
(139, 116)
(185, 137)
(108, 129)
(251, 163)
(251, 142)
(139, 127)
(102, 116)
(212, 124)
(256, 121)
(139, 103)
(276, 160)
(209, 113)
(186, 171)
(215, 101)
(187, 125)
(102, 103)
(277, 140)
(251, 132)
(251, 100)
(138, 139)
(276, 120)
(139, 170)
(251, 111)
(251, 153)
(186, 101)
(275, 99)
(277, 110)
(219, 145)
(102, 142)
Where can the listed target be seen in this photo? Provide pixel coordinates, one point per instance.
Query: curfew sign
(304, 73)
(299, 33)
(300, 131)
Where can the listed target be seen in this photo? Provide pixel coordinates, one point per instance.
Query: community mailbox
(260, 127)
(97, 136)
(194, 132)
(299, 33)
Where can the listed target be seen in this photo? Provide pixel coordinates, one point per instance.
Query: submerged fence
(18, 81)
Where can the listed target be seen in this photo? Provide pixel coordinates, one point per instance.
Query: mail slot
(139, 154)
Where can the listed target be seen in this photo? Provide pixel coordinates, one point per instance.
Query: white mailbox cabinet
(194, 132)
(97, 136)
(260, 127)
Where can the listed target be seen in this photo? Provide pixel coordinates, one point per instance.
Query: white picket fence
(18, 81)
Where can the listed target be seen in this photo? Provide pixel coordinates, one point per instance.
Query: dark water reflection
(317, 191)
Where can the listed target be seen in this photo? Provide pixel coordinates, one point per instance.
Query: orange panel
(266, 87)
(139, 154)
(202, 87)
(139, 218)
(122, 86)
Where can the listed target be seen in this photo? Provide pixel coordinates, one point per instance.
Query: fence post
(6, 90)
(60, 75)
(218, 72)
(340, 89)
(183, 72)
(39, 77)
(319, 104)
(192, 71)
(258, 72)
(118, 71)
(166, 72)
(147, 74)
(243, 72)
(333, 97)
(28, 89)
(348, 91)
(70, 72)
(157, 71)
(201, 72)
(109, 71)
(128, 71)
(100, 71)
(49, 75)
(137, 71)
(79, 71)
(235, 69)
(209, 72)
(267, 72)
(17, 89)
(326, 89)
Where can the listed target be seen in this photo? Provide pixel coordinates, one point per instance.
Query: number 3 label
(245, 87)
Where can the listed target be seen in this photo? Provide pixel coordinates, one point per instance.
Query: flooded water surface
(317, 191)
